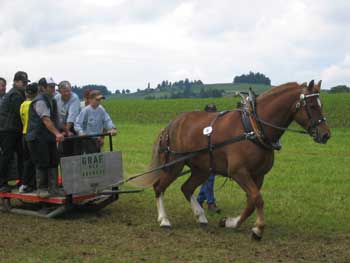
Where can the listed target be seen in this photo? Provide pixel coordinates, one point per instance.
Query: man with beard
(68, 105)
(42, 135)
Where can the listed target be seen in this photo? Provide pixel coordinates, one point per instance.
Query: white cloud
(338, 74)
(128, 43)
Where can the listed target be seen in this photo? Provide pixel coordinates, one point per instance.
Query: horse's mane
(277, 90)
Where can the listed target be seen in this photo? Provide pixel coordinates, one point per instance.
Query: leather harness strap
(210, 145)
(260, 137)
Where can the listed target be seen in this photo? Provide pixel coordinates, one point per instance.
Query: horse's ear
(311, 85)
(318, 86)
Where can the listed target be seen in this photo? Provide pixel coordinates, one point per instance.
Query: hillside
(229, 90)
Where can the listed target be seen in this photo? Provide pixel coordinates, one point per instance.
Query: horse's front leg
(254, 200)
(235, 222)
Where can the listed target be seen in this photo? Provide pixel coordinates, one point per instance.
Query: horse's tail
(151, 178)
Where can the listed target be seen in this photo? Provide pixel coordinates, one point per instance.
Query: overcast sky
(128, 43)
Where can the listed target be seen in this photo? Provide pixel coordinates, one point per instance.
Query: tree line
(80, 90)
(252, 78)
(340, 89)
(181, 89)
(178, 89)
(166, 85)
(122, 92)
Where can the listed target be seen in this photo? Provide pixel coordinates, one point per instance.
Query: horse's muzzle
(325, 137)
(322, 137)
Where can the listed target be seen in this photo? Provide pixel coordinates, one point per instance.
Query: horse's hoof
(166, 227)
(222, 222)
(203, 225)
(256, 237)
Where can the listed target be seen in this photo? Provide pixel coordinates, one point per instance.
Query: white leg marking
(198, 211)
(257, 231)
(162, 216)
(232, 222)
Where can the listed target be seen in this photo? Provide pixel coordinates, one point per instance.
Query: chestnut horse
(246, 162)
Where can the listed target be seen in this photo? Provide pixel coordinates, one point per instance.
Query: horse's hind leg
(166, 178)
(197, 178)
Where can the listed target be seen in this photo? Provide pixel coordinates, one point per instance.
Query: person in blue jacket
(206, 192)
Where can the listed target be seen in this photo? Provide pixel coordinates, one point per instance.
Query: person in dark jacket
(2, 88)
(42, 134)
(11, 128)
(28, 176)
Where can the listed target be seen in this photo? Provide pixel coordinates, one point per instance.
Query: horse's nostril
(325, 137)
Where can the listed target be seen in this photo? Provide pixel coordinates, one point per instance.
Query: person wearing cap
(86, 101)
(68, 105)
(42, 135)
(2, 88)
(11, 128)
(27, 180)
(92, 120)
(206, 192)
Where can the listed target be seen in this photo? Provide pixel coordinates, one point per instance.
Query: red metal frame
(52, 200)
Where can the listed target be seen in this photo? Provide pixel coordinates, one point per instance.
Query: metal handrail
(77, 137)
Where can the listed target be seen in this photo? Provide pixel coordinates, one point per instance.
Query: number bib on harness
(207, 130)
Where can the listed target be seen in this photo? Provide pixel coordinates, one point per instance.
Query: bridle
(302, 103)
(313, 124)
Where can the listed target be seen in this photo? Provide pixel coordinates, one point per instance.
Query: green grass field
(336, 107)
(306, 197)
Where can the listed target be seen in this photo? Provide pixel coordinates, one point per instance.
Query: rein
(280, 128)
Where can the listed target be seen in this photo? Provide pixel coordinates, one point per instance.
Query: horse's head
(309, 113)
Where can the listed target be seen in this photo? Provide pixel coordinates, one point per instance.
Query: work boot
(41, 182)
(54, 189)
(25, 189)
(212, 208)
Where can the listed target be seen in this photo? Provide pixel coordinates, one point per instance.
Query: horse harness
(251, 123)
(252, 131)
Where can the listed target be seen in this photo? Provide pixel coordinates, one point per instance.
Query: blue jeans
(207, 191)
